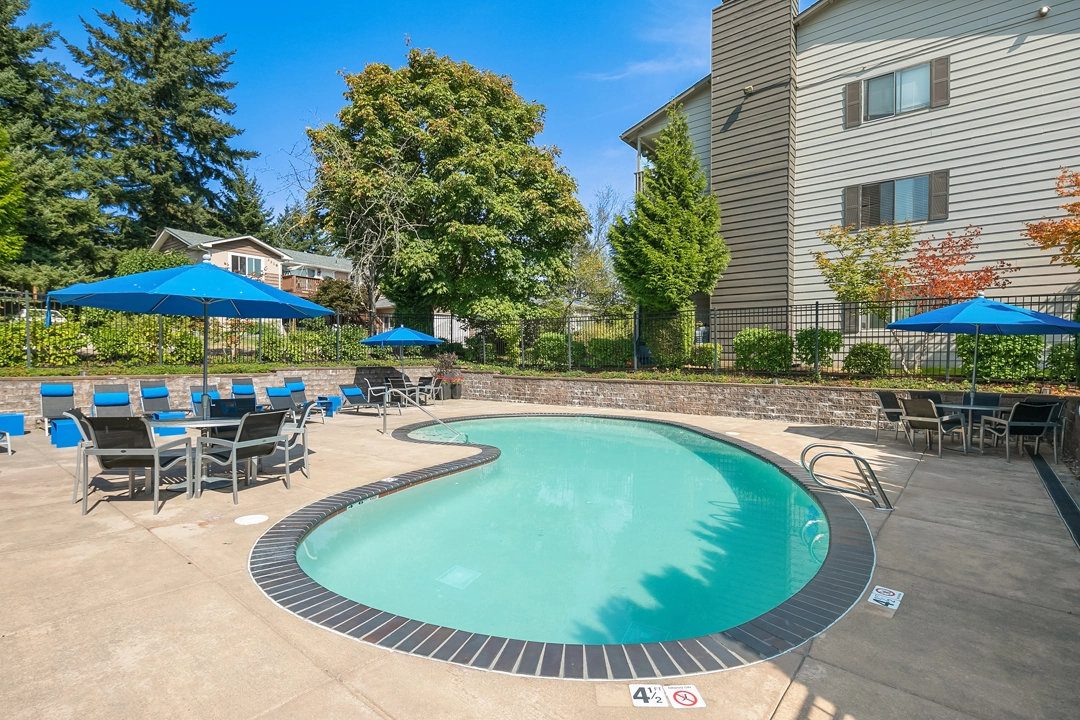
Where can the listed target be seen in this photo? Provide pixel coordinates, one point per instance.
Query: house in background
(861, 112)
(295, 272)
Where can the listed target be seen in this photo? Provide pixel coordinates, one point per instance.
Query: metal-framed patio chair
(429, 388)
(921, 415)
(354, 399)
(83, 426)
(401, 385)
(889, 410)
(128, 443)
(154, 399)
(280, 398)
(257, 437)
(380, 395)
(197, 396)
(299, 395)
(933, 396)
(56, 400)
(297, 433)
(111, 401)
(243, 389)
(1026, 420)
(1061, 416)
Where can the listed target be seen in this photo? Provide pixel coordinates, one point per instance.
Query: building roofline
(813, 11)
(628, 136)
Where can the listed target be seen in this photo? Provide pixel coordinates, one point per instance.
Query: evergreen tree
(156, 140)
(245, 211)
(11, 204)
(294, 229)
(670, 246)
(62, 224)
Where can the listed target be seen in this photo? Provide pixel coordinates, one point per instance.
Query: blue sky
(599, 67)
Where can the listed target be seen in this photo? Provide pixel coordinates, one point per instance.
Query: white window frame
(247, 256)
(896, 105)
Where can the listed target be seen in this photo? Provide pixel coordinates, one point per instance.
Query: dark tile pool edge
(1066, 507)
(839, 583)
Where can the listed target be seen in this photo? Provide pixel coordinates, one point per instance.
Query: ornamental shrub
(703, 355)
(868, 359)
(669, 337)
(829, 342)
(1061, 363)
(763, 350)
(550, 351)
(1002, 357)
(608, 352)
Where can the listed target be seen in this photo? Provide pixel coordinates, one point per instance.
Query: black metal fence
(816, 338)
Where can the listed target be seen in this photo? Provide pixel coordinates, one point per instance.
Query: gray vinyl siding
(753, 148)
(699, 119)
(1012, 121)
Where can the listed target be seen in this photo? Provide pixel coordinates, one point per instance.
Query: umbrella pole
(974, 364)
(206, 361)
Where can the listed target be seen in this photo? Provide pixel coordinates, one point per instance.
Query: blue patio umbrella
(982, 316)
(402, 337)
(200, 290)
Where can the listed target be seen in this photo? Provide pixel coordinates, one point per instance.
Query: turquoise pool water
(585, 530)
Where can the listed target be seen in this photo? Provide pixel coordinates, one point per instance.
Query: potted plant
(444, 370)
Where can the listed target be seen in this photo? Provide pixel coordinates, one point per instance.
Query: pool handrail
(409, 401)
(873, 490)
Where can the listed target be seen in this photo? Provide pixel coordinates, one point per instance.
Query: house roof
(630, 135)
(319, 261)
(813, 10)
(194, 239)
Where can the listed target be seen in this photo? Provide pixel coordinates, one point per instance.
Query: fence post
(29, 360)
(715, 344)
(160, 340)
(817, 341)
(523, 344)
(948, 353)
(569, 346)
(337, 339)
(637, 332)
(258, 343)
(483, 348)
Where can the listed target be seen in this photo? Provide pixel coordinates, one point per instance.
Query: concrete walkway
(126, 614)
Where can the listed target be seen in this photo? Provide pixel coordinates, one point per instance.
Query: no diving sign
(676, 696)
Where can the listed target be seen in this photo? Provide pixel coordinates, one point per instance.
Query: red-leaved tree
(1061, 235)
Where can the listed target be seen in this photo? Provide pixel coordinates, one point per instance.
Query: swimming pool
(585, 530)
(598, 553)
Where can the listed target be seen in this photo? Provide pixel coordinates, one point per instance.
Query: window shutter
(851, 206)
(853, 104)
(939, 82)
(939, 195)
(870, 207)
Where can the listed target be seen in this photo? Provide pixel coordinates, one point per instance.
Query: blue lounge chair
(57, 399)
(299, 396)
(111, 401)
(355, 399)
(154, 398)
(197, 397)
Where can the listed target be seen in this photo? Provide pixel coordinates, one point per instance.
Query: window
(911, 199)
(247, 265)
(914, 88)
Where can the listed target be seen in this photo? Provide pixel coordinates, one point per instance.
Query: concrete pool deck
(126, 614)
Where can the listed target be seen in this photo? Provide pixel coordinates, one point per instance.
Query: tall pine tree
(245, 211)
(157, 140)
(62, 224)
(11, 204)
(670, 246)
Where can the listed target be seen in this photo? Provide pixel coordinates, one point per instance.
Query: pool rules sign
(676, 696)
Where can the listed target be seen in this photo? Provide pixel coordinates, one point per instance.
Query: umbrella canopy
(402, 337)
(985, 317)
(198, 290)
(191, 290)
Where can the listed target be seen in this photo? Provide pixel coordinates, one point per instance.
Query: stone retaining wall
(22, 394)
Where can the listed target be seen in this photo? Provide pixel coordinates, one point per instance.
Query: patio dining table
(971, 410)
(204, 425)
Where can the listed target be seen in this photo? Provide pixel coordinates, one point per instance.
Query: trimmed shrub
(829, 342)
(703, 356)
(1002, 357)
(763, 350)
(550, 350)
(868, 359)
(606, 352)
(669, 337)
(1061, 363)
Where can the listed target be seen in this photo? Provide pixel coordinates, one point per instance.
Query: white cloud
(682, 29)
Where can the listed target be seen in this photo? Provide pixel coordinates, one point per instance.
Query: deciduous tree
(669, 247)
(1063, 234)
(867, 263)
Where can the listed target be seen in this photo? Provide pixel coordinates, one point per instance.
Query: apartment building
(941, 113)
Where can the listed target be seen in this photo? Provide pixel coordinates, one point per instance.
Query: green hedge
(670, 338)
(868, 359)
(763, 350)
(609, 352)
(550, 350)
(1061, 363)
(1002, 357)
(703, 355)
(828, 342)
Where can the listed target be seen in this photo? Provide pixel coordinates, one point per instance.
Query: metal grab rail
(870, 488)
(409, 400)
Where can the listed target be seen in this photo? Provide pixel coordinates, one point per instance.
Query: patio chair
(281, 399)
(297, 432)
(888, 410)
(379, 395)
(111, 401)
(1025, 420)
(299, 396)
(5, 439)
(932, 395)
(257, 437)
(154, 398)
(354, 399)
(128, 443)
(1061, 415)
(922, 415)
(83, 426)
(429, 388)
(56, 400)
(402, 385)
(197, 396)
(243, 389)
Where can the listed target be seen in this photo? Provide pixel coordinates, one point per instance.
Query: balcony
(638, 182)
(300, 285)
